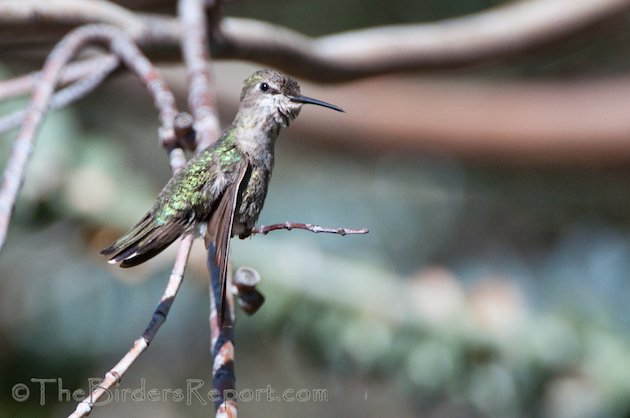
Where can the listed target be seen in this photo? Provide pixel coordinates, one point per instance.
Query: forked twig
(265, 229)
(23, 84)
(23, 145)
(165, 102)
(69, 94)
(123, 47)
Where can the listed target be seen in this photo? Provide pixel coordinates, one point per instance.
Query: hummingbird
(221, 190)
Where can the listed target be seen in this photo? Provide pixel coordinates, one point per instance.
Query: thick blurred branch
(536, 130)
(578, 122)
(70, 12)
(454, 42)
(389, 49)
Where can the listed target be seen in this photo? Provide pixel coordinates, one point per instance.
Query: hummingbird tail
(146, 240)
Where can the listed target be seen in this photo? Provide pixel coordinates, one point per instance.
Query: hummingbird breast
(251, 198)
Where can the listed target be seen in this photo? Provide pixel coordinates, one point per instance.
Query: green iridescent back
(192, 187)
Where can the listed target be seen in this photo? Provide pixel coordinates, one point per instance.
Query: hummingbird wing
(190, 196)
(144, 241)
(162, 225)
(219, 232)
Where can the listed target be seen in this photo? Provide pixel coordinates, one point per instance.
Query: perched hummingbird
(222, 188)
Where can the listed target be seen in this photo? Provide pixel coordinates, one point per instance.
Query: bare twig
(141, 344)
(227, 409)
(165, 102)
(202, 103)
(122, 46)
(265, 229)
(23, 145)
(470, 39)
(72, 72)
(67, 95)
(221, 340)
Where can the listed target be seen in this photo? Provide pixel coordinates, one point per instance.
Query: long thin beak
(310, 100)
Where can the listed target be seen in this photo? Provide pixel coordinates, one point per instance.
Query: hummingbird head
(274, 94)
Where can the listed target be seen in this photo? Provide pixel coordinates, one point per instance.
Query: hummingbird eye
(264, 87)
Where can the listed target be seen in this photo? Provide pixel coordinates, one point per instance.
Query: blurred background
(493, 283)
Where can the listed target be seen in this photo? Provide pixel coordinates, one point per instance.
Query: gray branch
(454, 42)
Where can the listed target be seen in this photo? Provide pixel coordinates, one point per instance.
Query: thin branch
(470, 39)
(23, 84)
(23, 145)
(122, 46)
(158, 318)
(67, 95)
(164, 100)
(222, 340)
(265, 229)
(202, 103)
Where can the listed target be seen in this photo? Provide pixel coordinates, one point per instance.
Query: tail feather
(148, 253)
(145, 240)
